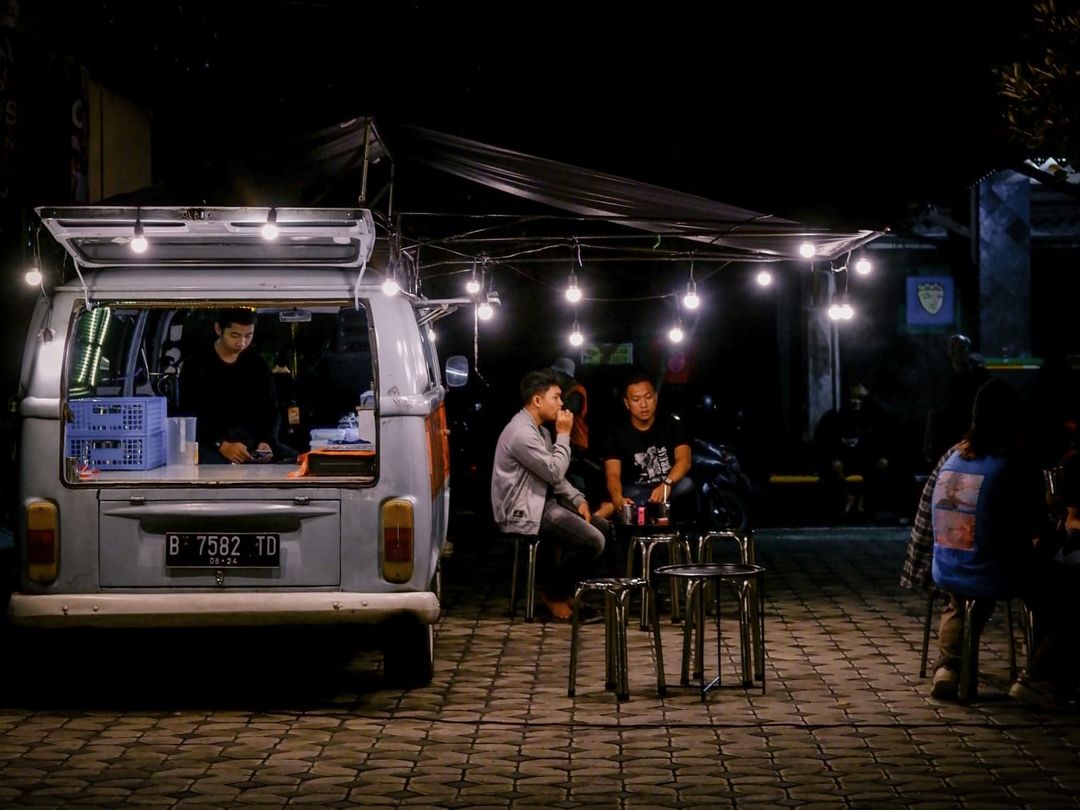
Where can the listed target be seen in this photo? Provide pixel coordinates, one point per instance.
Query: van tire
(408, 653)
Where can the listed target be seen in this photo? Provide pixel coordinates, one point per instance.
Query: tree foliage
(1041, 94)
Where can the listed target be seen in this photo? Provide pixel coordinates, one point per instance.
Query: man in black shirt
(231, 393)
(645, 459)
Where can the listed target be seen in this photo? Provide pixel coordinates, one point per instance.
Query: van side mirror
(457, 370)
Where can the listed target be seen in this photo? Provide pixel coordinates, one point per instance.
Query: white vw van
(120, 524)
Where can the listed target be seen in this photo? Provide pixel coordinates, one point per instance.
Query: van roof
(101, 236)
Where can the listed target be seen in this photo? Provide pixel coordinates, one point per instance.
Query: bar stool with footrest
(746, 581)
(744, 541)
(531, 541)
(645, 539)
(616, 591)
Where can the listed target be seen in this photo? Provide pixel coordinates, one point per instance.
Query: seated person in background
(647, 460)
(855, 441)
(231, 393)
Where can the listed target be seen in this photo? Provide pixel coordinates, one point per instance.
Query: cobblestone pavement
(276, 717)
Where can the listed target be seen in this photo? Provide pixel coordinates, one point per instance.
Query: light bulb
(472, 286)
(138, 241)
(764, 278)
(576, 338)
(391, 287)
(573, 292)
(33, 276)
(676, 334)
(691, 300)
(270, 229)
(847, 312)
(834, 312)
(863, 266)
(485, 311)
(807, 250)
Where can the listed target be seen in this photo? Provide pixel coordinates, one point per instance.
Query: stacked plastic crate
(117, 433)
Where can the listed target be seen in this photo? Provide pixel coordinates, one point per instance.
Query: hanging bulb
(764, 278)
(472, 286)
(33, 277)
(138, 241)
(863, 266)
(573, 292)
(390, 286)
(431, 334)
(847, 312)
(270, 229)
(807, 250)
(690, 300)
(576, 338)
(485, 311)
(675, 334)
(834, 312)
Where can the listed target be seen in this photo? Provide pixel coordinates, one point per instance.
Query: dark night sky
(812, 112)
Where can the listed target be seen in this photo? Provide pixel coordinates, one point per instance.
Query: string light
(573, 292)
(764, 278)
(807, 250)
(270, 229)
(841, 310)
(485, 311)
(390, 286)
(576, 338)
(863, 266)
(691, 300)
(675, 334)
(472, 286)
(33, 277)
(138, 240)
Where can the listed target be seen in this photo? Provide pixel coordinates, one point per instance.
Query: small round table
(745, 580)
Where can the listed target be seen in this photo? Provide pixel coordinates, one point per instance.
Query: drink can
(628, 513)
(641, 515)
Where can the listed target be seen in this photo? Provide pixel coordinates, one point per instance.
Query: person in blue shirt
(988, 515)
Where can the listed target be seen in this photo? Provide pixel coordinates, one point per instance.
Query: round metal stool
(616, 591)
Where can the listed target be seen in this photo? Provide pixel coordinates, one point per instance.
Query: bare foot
(559, 608)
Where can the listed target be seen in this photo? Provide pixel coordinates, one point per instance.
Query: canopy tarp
(627, 202)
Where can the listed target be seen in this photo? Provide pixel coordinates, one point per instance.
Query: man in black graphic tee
(646, 459)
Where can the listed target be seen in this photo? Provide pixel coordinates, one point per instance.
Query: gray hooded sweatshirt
(527, 465)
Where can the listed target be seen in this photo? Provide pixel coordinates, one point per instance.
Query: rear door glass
(318, 362)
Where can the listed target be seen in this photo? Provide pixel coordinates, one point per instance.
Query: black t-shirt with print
(647, 456)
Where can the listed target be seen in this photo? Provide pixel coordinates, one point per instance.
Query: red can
(641, 516)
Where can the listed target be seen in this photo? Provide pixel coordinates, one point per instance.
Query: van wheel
(408, 653)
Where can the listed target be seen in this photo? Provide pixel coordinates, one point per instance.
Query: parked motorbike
(723, 487)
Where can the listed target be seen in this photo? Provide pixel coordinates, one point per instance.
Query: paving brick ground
(276, 717)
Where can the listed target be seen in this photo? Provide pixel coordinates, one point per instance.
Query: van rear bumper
(216, 609)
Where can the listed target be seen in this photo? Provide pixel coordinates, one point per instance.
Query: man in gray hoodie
(530, 494)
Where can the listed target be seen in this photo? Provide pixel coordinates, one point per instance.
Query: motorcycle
(723, 487)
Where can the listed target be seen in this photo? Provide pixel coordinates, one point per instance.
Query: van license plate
(243, 550)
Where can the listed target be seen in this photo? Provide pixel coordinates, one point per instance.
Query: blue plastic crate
(119, 452)
(130, 416)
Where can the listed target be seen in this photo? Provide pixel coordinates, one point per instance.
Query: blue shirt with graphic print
(985, 514)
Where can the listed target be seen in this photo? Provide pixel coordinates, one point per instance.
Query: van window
(313, 369)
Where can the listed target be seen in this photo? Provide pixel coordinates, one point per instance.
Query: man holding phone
(231, 393)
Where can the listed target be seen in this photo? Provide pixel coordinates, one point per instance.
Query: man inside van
(230, 391)
(530, 494)
(647, 460)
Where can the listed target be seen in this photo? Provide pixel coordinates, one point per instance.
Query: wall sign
(931, 300)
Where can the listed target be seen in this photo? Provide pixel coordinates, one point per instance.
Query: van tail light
(397, 540)
(42, 542)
